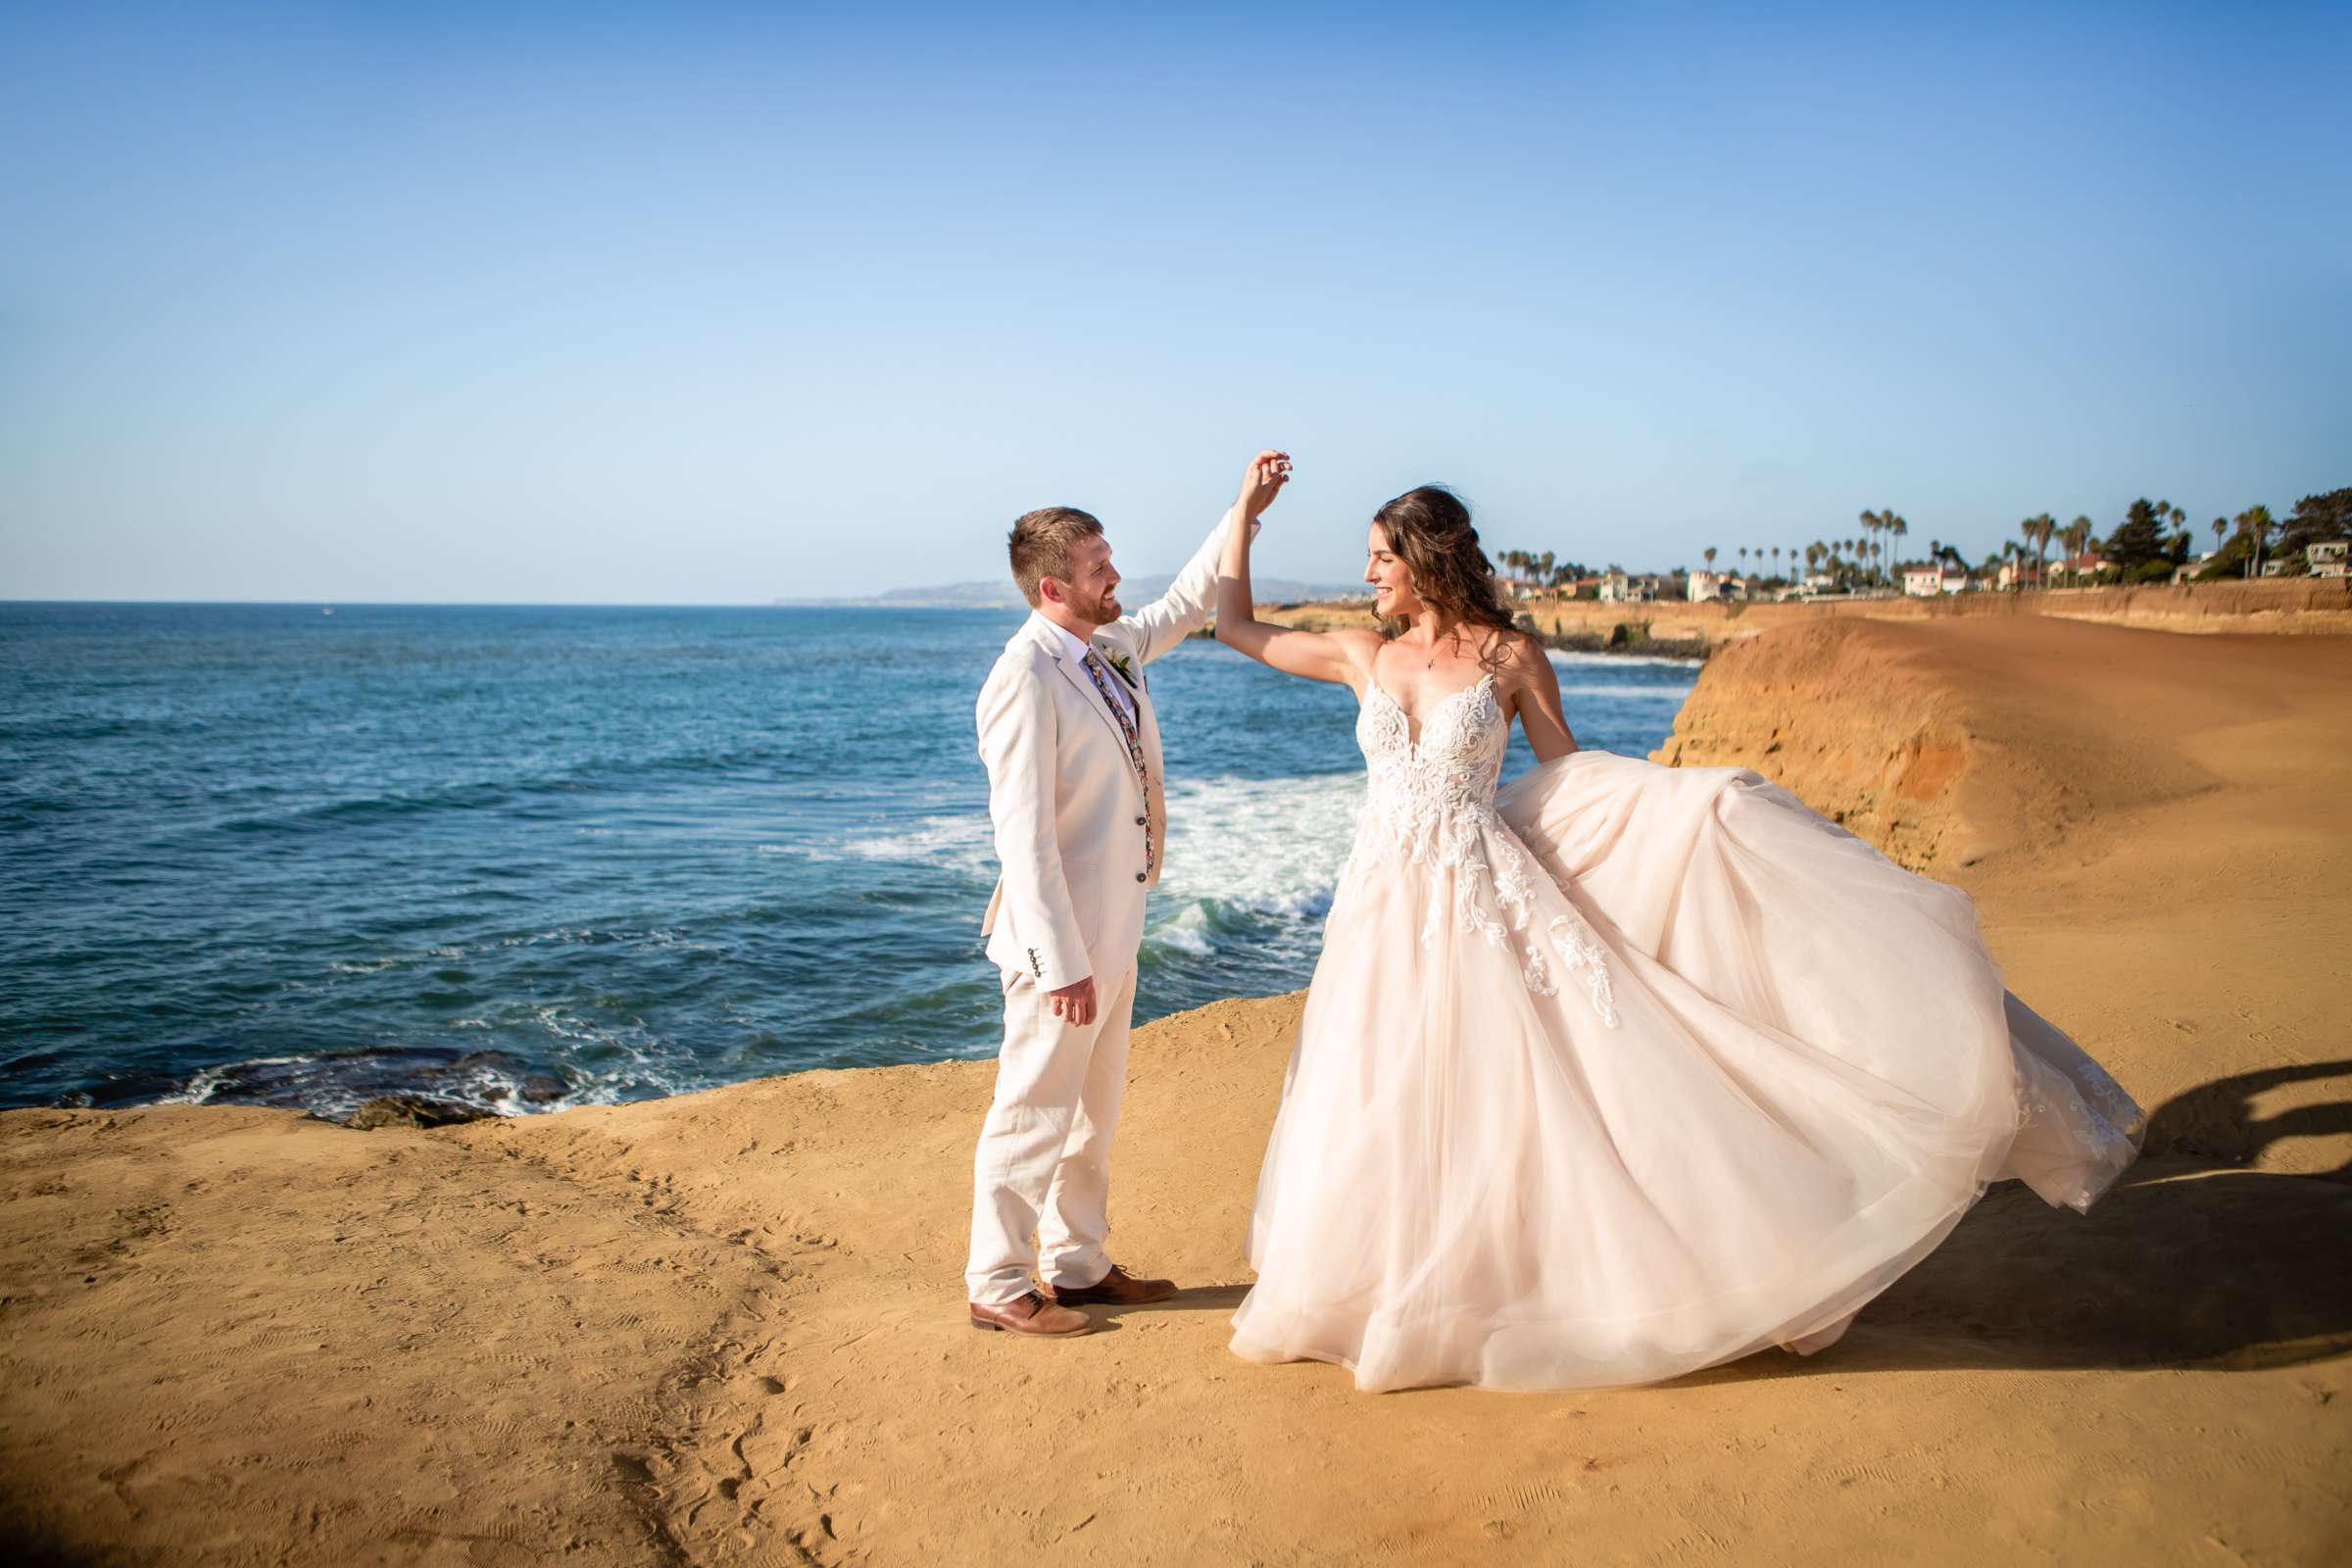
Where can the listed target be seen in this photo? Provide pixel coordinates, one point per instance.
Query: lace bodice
(1451, 768)
(1429, 806)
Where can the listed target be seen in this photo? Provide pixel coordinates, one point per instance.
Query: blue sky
(717, 303)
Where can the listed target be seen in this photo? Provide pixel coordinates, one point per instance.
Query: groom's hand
(1075, 1002)
(1263, 481)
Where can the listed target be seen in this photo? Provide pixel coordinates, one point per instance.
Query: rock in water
(412, 1111)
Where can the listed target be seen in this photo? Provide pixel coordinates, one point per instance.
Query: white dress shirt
(1078, 650)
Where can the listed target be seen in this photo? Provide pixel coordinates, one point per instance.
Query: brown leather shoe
(1032, 1314)
(1117, 1287)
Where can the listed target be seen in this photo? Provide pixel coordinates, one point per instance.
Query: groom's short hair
(1041, 541)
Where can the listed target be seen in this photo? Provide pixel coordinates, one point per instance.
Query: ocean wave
(1268, 847)
(1188, 932)
(961, 843)
(1266, 851)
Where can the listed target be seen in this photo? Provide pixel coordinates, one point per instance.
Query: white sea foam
(1575, 691)
(334, 1086)
(1188, 932)
(198, 1088)
(1567, 657)
(1270, 848)
(955, 843)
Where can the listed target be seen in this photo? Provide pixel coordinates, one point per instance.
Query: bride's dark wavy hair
(1429, 530)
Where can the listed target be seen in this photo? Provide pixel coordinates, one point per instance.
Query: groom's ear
(1052, 591)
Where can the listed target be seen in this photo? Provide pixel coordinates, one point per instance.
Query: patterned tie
(1118, 710)
(1127, 729)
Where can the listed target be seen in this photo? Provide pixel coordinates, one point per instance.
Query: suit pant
(1043, 1162)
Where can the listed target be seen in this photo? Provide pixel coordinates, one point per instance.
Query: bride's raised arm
(1316, 654)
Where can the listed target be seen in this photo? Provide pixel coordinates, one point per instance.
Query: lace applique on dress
(1430, 804)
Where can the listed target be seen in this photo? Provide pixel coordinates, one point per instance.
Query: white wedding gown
(1631, 1071)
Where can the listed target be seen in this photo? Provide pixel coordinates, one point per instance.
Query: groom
(1074, 790)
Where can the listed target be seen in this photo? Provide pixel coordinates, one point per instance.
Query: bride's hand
(1262, 481)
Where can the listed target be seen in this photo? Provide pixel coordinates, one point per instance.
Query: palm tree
(2037, 529)
(2076, 539)
(2257, 523)
(1710, 553)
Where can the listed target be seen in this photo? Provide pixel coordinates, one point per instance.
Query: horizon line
(507, 604)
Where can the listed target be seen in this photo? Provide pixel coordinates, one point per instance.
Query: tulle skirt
(1658, 1070)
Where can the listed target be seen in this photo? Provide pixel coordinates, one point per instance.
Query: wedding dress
(1629, 1071)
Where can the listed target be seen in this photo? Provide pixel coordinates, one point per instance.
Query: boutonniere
(1124, 665)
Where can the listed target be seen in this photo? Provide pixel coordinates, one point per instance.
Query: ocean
(531, 858)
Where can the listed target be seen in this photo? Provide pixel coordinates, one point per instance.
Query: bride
(1629, 1070)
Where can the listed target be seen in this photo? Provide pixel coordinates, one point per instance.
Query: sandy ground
(727, 1328)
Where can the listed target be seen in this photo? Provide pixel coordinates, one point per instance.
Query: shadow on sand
(2190, 1260)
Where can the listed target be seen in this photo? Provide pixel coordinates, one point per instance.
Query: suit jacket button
(1143, 821)
(1139, 876)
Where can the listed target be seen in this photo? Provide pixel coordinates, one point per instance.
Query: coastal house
(1703, 587)
(1616, 587)
(1935, 577)
(1813, 586)
(2075, 568)
(2327, 557)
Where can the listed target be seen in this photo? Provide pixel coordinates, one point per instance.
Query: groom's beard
(1099, 611)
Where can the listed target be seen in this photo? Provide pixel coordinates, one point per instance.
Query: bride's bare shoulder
(1516, 653)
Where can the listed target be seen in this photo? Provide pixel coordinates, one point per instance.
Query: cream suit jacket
(1079, 840)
